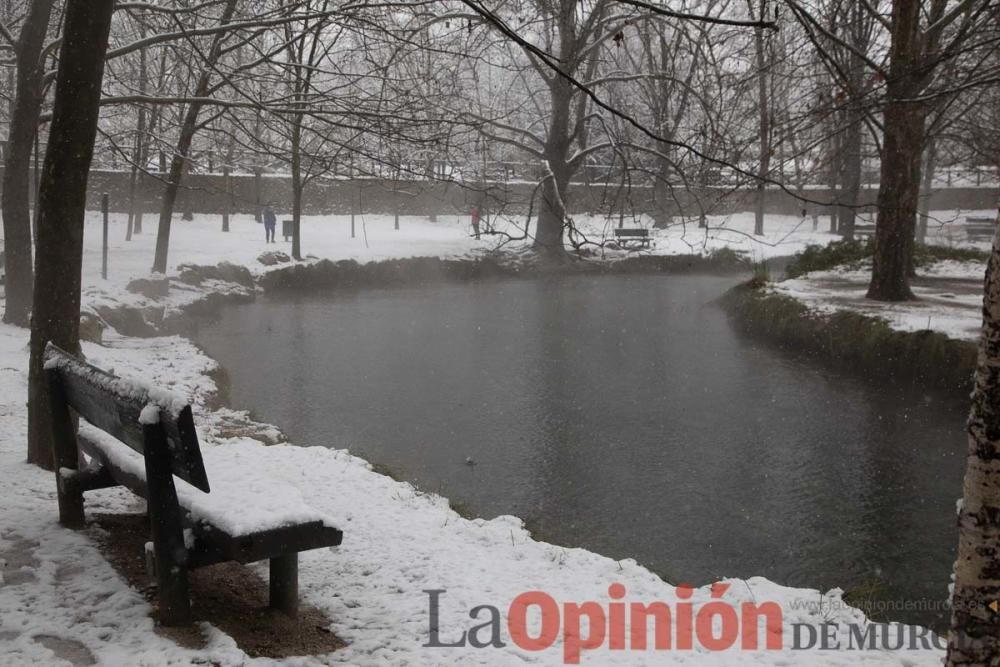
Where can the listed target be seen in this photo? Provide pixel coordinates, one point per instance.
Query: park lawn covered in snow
(949, 297)
(949, 293)
(201, 240)
(398, 541)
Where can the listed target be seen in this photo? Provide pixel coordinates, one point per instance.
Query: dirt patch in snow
(229, 596)
(69, 650)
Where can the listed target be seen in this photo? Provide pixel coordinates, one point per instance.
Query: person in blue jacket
(270, 223)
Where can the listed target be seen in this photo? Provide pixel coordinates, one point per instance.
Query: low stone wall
(855, 343)
(209, 193)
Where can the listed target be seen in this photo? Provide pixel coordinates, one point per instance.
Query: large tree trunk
(902, 148)
(898, 196)
(17, 169)
(552, 211)
(183, 148)
(62, 204)
(975, 627)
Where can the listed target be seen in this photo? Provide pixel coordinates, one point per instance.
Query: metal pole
(104, 246)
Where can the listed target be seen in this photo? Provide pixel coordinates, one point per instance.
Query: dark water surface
(623, 414)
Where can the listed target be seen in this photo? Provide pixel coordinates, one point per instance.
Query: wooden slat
(638, 233)
(261, 546)
(92, 393)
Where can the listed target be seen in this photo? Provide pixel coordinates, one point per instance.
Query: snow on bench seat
(244, 499)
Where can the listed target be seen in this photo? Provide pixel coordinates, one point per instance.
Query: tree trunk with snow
(975, 628)
(62, 204)
(17, 168)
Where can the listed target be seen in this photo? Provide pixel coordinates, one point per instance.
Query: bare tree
(919, 46)
(189, 126)
(16, 176)
(62, 204)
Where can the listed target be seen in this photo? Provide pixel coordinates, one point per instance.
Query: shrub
(851, 254)
(824, 258)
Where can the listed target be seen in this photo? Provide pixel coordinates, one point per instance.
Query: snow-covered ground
(398, 542)
(949, 297)
(949, 293)
(201, 241)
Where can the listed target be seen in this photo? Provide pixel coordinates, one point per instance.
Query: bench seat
(243, 500)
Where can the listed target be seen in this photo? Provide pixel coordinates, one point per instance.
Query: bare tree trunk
(902, 148)
(926, 189)
(551, 215)
(183, 148)
(63, 200)
(296, 186)
(137, 151)
(16, 177)
(764, 126)
(850, 189)
(851, 156)
(975, 628)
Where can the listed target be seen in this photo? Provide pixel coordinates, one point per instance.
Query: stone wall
(207, 193)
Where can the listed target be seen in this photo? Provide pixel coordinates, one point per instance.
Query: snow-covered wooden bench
(626, 234)
(141, 437)
(864, 230)
(980, 228)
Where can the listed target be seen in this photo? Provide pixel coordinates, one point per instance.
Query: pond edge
(852, 342)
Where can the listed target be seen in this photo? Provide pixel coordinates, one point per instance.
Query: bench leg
(65, 453)
(284, 584)
(70, 500)
(173, 594)
(168, 535)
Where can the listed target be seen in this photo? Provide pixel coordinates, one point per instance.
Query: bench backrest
(114, 405)
(631, 232)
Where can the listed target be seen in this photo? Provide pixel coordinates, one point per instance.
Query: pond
(623, 414)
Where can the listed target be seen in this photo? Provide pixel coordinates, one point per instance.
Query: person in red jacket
(475, 221)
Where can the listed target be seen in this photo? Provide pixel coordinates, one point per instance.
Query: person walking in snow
(475, 221)
(270, 223)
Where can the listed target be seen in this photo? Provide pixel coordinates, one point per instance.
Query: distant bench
(626, 234)
(238, 522)
(864, 230)
(980, 228)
